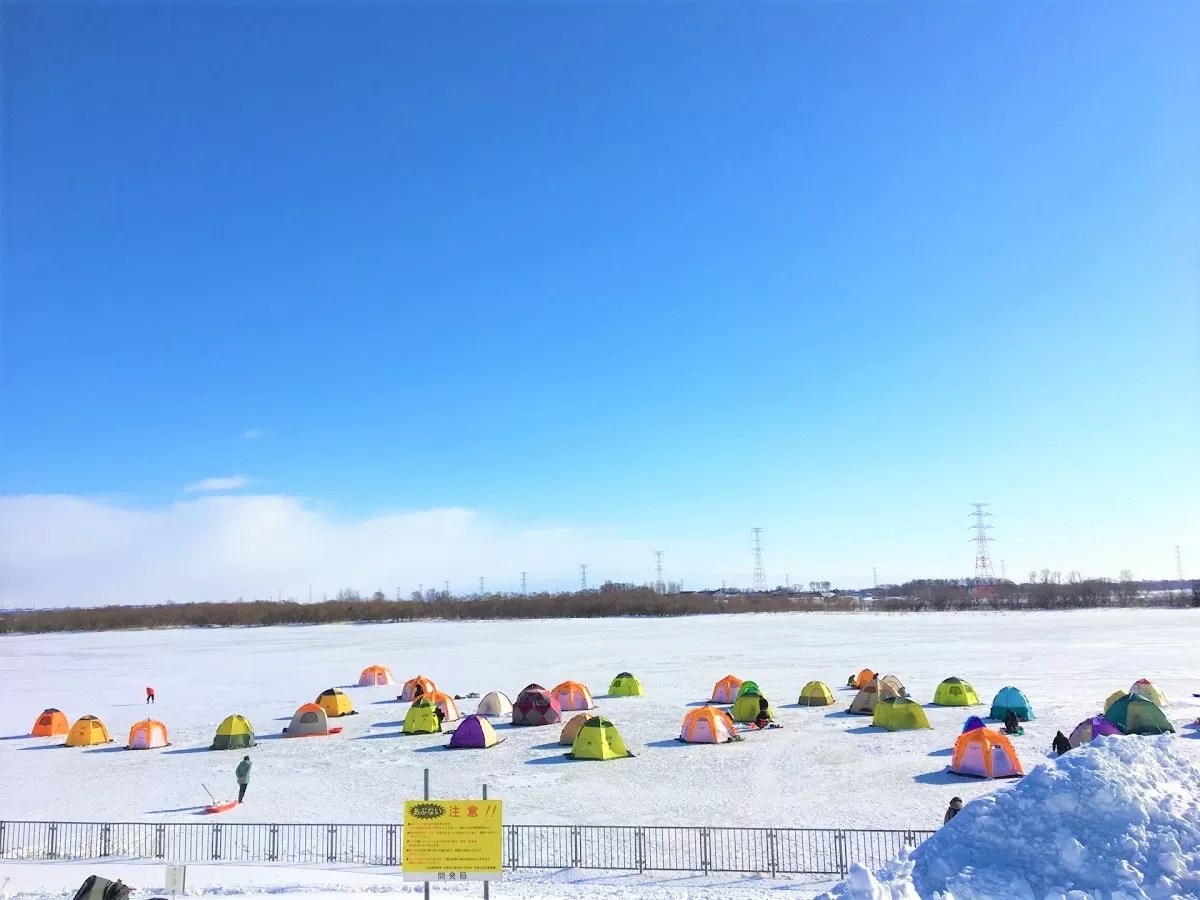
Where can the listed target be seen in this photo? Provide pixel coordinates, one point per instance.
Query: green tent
(749, 687)
(1134, 714)
(955, 692)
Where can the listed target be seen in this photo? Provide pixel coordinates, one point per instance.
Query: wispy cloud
(254, 434)
(229, 483)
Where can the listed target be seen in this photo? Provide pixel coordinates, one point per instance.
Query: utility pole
(481, 584)
(760, 574)
(583, 576)
(660, 586)
(524, 592)
(1003, 571)
(874, 577)
(1178, 565)
(310, 593)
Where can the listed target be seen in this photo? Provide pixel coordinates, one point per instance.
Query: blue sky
(652, 272)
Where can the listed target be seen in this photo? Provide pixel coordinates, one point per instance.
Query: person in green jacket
(243, 777)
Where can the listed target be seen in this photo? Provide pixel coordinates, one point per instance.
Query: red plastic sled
(221, 807)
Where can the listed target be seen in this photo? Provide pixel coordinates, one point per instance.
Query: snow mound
(1117, 819)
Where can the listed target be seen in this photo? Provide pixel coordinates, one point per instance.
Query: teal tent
(1010, 698)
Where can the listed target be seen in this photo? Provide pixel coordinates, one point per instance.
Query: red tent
(535, 707)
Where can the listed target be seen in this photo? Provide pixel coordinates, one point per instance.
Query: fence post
(52, 850)
(106, 840)
(273, 844)
(3, 830)
(639, 849)
(216, 841)
(514, 854)
(839, 846)
(331, 849)
(576, 848)
(705, 850)
(160, 840)
(391, 845)
(772, 853)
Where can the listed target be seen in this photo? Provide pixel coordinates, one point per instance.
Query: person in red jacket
(149, 695)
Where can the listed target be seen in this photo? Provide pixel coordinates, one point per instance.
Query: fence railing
(621, 848)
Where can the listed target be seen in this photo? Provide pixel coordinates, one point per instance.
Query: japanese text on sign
(452, 840)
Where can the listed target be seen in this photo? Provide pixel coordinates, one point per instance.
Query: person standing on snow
(149, 695)
(953, 809)
(243, 777)
(1061, 744)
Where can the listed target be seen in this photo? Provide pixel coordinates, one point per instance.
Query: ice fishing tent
(410, 690)
(50, 723)
(473, 733)
(335, 703)
(746, 707)
(571, 729)
(535, 707)
(877, 689)
(749, 687)
(726, 690)
(571, 695)
(1010, 698)
(1090, 729)
(972, 723)
(707, 725)
(815, 693)
(625, 685)
(494, 704)
(598, 739)
(147, 734)
(374, 676)
(863, 678)
(233, 734)
(1112, 698)
(88, 732)
(985, 753)
(1144, 687)
(532, 686)
(1134, 714)
(310, 720)
(421, 718)
(899, 714)
(446, 704)
(955, 692)
(891, 686)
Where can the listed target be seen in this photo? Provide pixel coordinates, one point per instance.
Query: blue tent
(1010, 698)
(972, 723)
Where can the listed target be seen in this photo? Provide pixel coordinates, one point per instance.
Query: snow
(1118, 818)
(823, 769)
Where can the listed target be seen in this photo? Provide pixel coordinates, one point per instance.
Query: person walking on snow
(953, 809)
(149, 695)
(243, 777)
(1061, 744)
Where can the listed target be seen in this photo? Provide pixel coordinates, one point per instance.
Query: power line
(760, 574)
(660, 586)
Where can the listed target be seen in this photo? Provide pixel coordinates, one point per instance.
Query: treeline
(610, 600)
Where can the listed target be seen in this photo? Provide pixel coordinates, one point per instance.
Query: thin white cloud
(254, 434)
(208, 485)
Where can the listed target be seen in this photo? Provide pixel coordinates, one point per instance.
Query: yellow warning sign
(452, 840)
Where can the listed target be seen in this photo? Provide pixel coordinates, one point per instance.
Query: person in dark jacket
(437, 711)
(1061, 744)
(1012, 725)
(763, 719)
(243, 777)
(953, 809)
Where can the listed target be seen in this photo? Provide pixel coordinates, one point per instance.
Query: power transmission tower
(874, 577)
(760, 574)
(583, 576)
(985, 577)
(660, 586)
(523, 591)
(481, 584)
(1178, 565)
(447, 588)
(1003, 571)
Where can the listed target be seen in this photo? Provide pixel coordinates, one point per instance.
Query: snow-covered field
(823, 768)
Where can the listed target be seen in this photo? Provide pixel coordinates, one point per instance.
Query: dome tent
(726, 690)
(147, 734)
(955, 692)
(899, 714)
(625, 685)
(87, 732)
(234, 733)
(1090, 729)
(815, 693)
(473, 733)
(572, 696)
(494, 703)
(599, 739)
(373, 676)
(421, 718)
(571, 730)
(1134, 714)
(1010, 698)
(535, 707)
(708, 725)
(335, 702)
(985, 753)
(1144, 687)
(747, 706)
(51, 723)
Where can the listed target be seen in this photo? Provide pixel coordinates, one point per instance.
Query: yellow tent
(335, 703)
(955, 692)
(598, 738)
(625, 685)
(815, 693)
(1144, 687)
(1113, 698)
(746, 707)
(87, 732)
(234, 733)
(899, 714)
(422, 718)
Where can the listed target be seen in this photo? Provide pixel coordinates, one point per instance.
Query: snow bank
(1119, 818)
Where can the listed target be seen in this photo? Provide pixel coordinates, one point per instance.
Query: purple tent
(473, 733)
(1092, 728)
(972, 723)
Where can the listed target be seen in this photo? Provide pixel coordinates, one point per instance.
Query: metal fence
(759, 851)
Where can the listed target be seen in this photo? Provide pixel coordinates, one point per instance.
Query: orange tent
(571, 695)
(51, 722)
(707, 725)
(446, 704)
(865, 677)
(985, 753)
(375, 675)
(147, 734)
(726, 690)
(409, 691)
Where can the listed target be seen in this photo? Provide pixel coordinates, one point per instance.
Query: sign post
(176, 879)
(452, 840)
